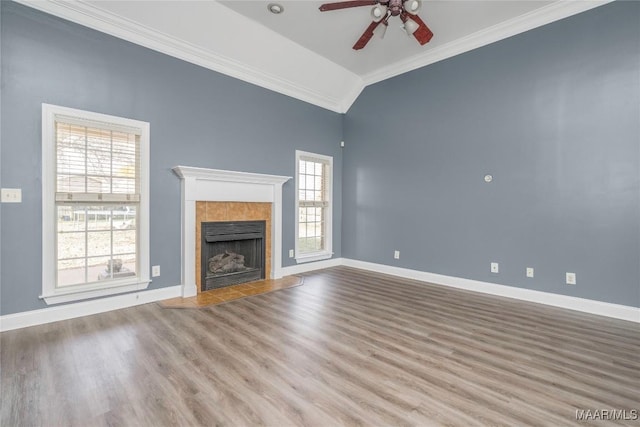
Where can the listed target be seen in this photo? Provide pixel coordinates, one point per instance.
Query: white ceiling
(332, 34)
(305, 53)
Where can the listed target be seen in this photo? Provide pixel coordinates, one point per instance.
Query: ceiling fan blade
(423, 34)
(347, 4)
(366, 36)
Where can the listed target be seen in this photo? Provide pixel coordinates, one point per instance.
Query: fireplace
(232, 252)
(232, 196)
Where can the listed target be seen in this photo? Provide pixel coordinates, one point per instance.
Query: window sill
(87, 292)
(316, 256)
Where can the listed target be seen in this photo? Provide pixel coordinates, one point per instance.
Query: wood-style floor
(347, 348)
(232, 293)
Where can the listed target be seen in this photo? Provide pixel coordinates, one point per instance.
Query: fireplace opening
(232, 252)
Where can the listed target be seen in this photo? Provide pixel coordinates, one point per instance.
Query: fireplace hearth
(232, 252)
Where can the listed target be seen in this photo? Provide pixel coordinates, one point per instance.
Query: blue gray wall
(198, 118)
(554, 115)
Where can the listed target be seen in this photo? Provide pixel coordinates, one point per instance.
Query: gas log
(226, 262)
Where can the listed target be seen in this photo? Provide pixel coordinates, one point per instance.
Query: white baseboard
(85, 308)
(311, 266)
(615, 311)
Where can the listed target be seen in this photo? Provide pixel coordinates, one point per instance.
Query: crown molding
(90, 16)
(350, 97)
(528, 21)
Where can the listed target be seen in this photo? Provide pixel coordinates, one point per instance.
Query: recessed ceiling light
(275, 8)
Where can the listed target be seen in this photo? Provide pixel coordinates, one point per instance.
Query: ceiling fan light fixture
(410, 26)
(412, 6)
(382, 30)
(381, 12)
(378, 12)
(275, 8)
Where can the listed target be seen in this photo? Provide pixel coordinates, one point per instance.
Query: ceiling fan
(381, 12)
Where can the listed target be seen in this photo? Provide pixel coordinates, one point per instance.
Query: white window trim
(328, 238)
(50, 294)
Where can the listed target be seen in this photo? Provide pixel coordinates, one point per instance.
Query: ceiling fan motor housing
(395, 7)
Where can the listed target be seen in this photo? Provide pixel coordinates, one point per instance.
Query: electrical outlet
(11, 195)
(155, 271)
(571, 278)
(494, 267)
(396, 254)
(291, 253)
(529, 272)
(341, 143)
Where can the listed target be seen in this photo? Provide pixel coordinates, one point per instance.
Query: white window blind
(96, 163)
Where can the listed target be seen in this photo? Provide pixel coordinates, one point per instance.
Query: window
(314, 175)
(95, 204)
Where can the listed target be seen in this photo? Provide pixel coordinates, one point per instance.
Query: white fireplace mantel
(215, 185)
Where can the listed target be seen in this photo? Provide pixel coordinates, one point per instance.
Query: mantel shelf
(228, 176)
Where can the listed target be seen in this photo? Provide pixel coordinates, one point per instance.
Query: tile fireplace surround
(232, 211)
(214, 185)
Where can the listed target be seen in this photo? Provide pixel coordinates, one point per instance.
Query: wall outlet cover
(155, 271)
(495, 267)
(571, 278)
(529, 272)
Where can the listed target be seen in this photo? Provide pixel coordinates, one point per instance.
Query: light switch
(11, 195)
